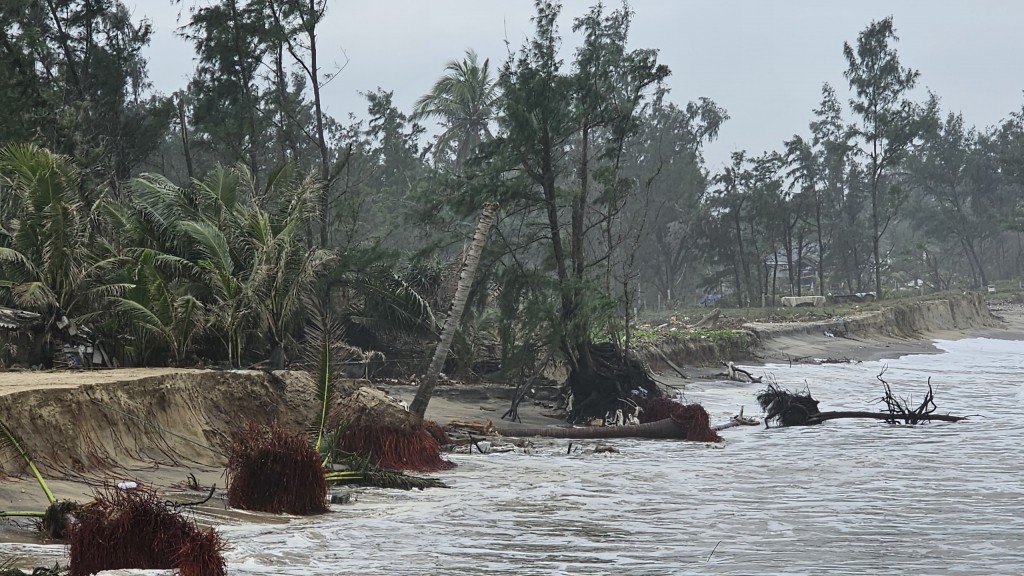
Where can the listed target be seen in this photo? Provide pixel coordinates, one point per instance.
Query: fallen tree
(785, 408)
(660, 418)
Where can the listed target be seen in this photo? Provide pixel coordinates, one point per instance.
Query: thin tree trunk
(187, 148)
(451, 324)
(823, 416)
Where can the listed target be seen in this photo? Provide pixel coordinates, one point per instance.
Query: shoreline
(77, 424)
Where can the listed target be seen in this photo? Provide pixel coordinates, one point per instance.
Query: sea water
(846, 497)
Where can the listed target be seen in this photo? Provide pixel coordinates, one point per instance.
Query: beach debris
(135, 529)
(709, 321)
(57, 520)
(273, 470)
(785, 408)
(484, 428)
(735, 371)
(831, 360)
(6, 569)
(598, 449)
(374, 477)
(661, 418)
(745, 420)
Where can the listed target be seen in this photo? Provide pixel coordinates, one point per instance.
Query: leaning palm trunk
(451, 325)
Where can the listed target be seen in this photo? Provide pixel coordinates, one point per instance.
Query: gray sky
(763, 61)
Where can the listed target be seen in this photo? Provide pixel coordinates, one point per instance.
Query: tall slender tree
(463, 100)
(888, 122)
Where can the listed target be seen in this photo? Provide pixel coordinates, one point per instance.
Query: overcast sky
(763, 61)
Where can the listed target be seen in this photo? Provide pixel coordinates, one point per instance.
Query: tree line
(211, 222)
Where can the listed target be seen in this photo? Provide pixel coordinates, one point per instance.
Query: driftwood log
(734, 370)
(785, 408)
(666, 429)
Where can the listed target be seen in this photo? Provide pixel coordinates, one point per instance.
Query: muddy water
(848, 497)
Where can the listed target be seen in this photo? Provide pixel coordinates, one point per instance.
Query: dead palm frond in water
(363, 473)
(135, 529)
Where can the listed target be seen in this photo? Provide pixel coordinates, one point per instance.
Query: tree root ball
(272, 470)
(410, 448)
(380, 429)
(437, 432)
(134, 529)
(692, 418)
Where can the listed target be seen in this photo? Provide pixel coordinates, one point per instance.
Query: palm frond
(212, 243)
(219, 191)
(9, 439)
(162, 202)
(393, 303)
(321, 333)
(34, 295)
(12, 255)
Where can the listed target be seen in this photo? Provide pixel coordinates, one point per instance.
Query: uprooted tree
(786, 408)
(571, 217)
(661, 418)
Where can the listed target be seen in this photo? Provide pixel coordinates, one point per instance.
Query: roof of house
(12, 319)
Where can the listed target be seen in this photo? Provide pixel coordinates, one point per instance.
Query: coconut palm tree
(50, 261)
(464, 102)
(451, 325)
(222, 256)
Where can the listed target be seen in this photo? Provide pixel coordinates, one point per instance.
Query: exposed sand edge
(153, 426)
(889, 333)
(157, 426)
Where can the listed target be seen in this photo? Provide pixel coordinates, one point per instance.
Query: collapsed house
(34, 340)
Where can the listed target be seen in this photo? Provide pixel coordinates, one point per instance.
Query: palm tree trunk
(666, 429)
(451, 325)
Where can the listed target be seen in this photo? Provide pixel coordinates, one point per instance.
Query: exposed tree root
(614, 379)
(378, 428)
(410, 448)
(135, 529)
(784, 408)
(272, 470)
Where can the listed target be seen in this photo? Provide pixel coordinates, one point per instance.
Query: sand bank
(159, 425)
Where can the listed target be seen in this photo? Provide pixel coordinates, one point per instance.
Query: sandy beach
(159, 426)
